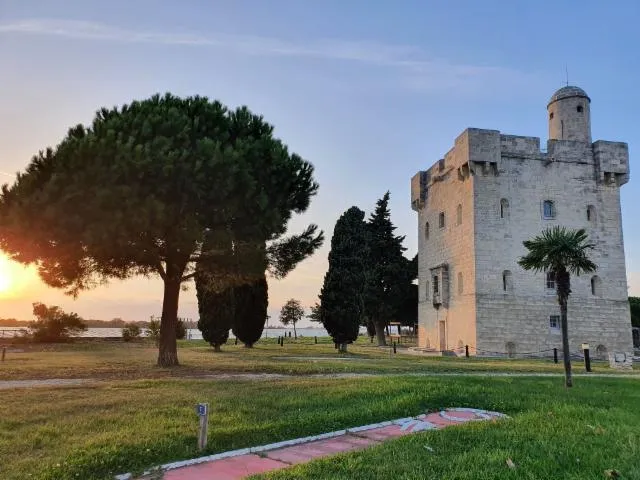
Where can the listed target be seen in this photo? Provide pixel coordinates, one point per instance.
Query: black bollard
(394, 347)
(466, 351)
(315, 339)
(587, 360)
(282, 341)
(555, 355)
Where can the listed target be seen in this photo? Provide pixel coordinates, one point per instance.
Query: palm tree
(562, 252)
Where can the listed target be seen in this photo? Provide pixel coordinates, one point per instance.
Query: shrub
(153, 330)
(181, 330)
(130, 331)
(54, 325)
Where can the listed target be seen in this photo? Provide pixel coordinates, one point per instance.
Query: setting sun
(13, 277)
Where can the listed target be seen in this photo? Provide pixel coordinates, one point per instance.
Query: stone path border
(238, 464)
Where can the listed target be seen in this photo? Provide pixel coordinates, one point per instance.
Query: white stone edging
(296, 441)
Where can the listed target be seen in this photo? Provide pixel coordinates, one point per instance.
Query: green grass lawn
(114, 427)
(118, 360)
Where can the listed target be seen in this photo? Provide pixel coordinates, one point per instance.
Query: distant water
(192, 333)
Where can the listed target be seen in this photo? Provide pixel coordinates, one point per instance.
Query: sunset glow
(14, 278)
(5, 276)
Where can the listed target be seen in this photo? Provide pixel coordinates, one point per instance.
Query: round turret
(569, 115)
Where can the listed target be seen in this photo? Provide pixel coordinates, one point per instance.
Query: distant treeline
(92, 323)
(115, 323)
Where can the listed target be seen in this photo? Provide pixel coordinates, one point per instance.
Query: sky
(369, 92)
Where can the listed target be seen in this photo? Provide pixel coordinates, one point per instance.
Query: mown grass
(94, 432)
(118, 360)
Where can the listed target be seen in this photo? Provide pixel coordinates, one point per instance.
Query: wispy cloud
(411, 61)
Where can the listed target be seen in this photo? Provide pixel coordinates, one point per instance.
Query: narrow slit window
(507, 285)
(459, 214)
(504, 208)
(441, 220)
(460, 284)
(596, 285)
(426, 231)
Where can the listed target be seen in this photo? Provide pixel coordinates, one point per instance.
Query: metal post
(587, 359)
(555, 355)
(394, 347)
(203, 415)
(466, 351)
(315, 340)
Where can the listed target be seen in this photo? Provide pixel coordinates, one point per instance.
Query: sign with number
(202, 409)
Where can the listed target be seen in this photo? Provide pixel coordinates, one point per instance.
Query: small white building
(491, 192)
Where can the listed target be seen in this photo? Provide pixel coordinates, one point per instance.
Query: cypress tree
(341, 301)
(251, 302)
(216, 311)
(387, 270)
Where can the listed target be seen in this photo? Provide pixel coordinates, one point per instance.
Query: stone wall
(451, 193)
(520, 315)
(499, 183)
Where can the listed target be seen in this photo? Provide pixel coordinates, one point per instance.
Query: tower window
(551, 281)
(548, 210)
(441, 220)
(507, 285)
(436, 286)
(596, 285)
(426, 288)
(459, 214)
(579, 108)
(551, 116)
(554, 322)
(504, 208)
(460, 284)
(426, 231)
(591, 213)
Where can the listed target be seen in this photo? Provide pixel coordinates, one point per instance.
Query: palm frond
(557, 248)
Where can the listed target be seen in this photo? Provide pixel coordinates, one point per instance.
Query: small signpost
(587, 360)
(202, 409)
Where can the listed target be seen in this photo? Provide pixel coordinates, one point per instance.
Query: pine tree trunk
(167, 345)
(295, 334)
(382, 341)
(217, 349)
(248, 345)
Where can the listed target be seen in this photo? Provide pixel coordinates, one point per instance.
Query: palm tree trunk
(565, 343)
(295, 334)
(564, 289)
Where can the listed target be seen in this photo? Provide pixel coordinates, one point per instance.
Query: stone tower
(569, 115)
(490, 193)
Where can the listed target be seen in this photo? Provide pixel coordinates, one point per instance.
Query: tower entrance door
(443, 336)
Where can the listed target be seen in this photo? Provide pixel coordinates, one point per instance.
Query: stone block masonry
(490, 193)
